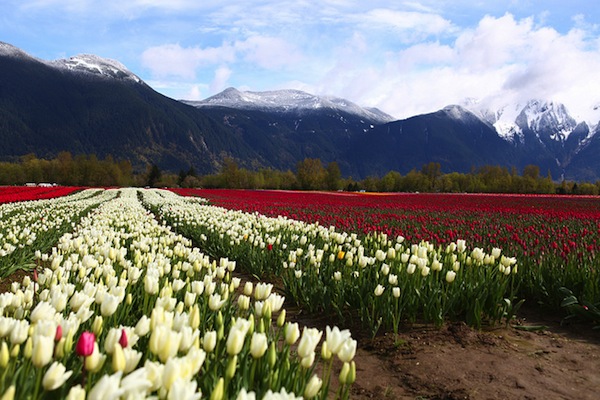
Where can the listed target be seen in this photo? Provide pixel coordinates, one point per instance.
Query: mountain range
(91, 105)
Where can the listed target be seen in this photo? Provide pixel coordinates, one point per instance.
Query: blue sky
(405, 57)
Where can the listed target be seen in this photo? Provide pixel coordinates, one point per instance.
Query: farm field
(424, 283)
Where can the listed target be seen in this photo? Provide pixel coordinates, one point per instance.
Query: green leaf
(569, 301)
(530, 328)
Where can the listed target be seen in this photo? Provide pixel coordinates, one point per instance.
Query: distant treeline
(310, 174)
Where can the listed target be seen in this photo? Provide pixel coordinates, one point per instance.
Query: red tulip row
(10, 194)
(555, 238)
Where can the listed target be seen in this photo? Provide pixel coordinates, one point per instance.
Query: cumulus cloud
(500, 60)
(406, 57)
(176, 61)
(220, 80)
(410, 26)
(268, 52)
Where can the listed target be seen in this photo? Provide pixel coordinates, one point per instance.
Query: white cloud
(501, 59)
(268, 52)
(172, 60)
(220, 80)
(409, 25)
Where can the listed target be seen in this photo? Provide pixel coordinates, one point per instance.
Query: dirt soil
(561, 361)
(457, 362)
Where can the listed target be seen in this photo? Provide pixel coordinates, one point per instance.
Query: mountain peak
(9, 50)
(89, 63)
(549, 116)
(288, 101)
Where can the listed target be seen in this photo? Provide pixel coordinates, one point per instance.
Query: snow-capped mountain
(91, 64)
(83, 63)
(546, 120)
(8, 50)
(288, 101)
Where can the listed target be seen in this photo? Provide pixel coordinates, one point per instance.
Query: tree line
(310, 174)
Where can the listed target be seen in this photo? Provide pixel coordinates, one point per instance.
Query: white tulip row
(22, 222)
(355, 271)
(146, 294)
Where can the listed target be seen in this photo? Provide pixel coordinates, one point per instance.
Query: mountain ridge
(286, 100)
(88, 104)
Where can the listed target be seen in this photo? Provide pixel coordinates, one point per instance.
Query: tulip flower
(56, 376)
(308, 342)
(123, 340)
(347, 350)
(85, 344)
(9, 394)
(43, 348)
(235, 341)
(258, 344)
(4, 355)
(335, 338)
(312, 387)
(292, 333)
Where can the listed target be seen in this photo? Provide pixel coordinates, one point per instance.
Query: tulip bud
(123, 340)
(97, 325)
(258, 345)
(450, 276)
(210, 341)
(312, 387)
(58, 334)
(292, 333)
(231, 367)
(218, 391)
(325, 352)
(344, 373)
(94, 361)
(85, 344)
(59, 350)
(76, 393)
(352, 373)
(4, 355)
(118, 358)
(69, 341)
(28, 349)
(9, 394)
(272, 356)
(281, 318)
(14, 352)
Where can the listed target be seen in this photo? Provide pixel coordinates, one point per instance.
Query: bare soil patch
(458, 362)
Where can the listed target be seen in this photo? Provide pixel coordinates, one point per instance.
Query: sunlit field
(134, 293)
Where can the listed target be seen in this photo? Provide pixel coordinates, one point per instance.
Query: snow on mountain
(89, 63)
(9, 50)
(287, 101)
(545, 119)
(86, 63)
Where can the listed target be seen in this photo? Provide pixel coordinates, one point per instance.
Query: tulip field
(555, 239)
(137, 293)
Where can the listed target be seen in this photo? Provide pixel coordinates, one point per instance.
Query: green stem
(38, 383)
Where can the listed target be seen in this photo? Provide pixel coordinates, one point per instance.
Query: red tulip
(123, 340)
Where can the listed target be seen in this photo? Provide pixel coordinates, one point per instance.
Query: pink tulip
(85, 344)
(58, 334)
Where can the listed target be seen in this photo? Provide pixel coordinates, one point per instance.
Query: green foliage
(81, 170)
